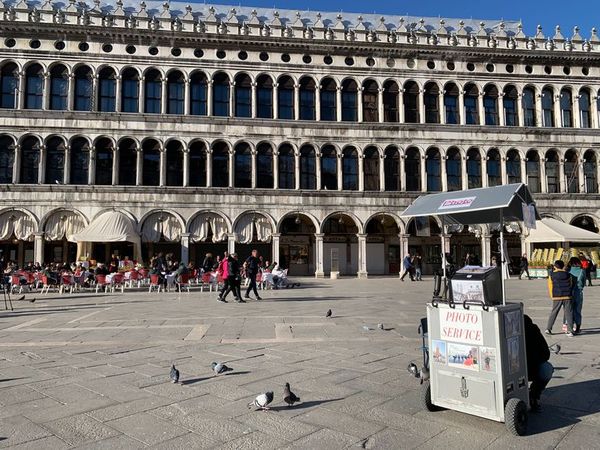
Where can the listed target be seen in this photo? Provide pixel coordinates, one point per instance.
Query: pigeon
(22, 297)
(328, 313)
(32, 300)
(262, 401)
(220, 368)
(380, 326)
(174, 374)
(288, 396)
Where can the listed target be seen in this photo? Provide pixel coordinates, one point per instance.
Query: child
(560, 287)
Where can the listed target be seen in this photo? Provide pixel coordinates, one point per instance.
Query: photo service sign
(461, 326)
(464, 202)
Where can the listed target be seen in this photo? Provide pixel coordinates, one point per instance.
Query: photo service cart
(474, 357)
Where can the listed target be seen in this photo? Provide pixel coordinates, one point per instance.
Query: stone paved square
(92, 371)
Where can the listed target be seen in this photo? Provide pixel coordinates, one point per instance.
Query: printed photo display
(467, 290)
(463, 356)
(439, 352)
(488, 359)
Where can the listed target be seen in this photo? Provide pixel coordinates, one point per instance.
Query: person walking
(408, 267)
(222, 272)
(252, 268)
(560, 287)
(234, 279)
(418, 263)
(579, 283)
(524, 266)
(586, 265)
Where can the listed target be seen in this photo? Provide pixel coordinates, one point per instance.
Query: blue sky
(549, 13)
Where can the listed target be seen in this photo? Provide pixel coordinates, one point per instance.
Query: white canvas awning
(552, 230)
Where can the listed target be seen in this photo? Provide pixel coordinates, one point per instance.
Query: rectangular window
(59, 88)
(243, 102)
(176, 98)
(108, 90)
(510, 112)
(451, 105)
(307, 105)
(349, 107)
(130, 96)
(34, 93)
(286, 104)
(9, 86)
(221, 100)
(152, 100)
(328, 105)
(471, 110)
(198, 99)
(533, 176)
(491, 113)
(431, 109)
(264, 99)
(83, 94)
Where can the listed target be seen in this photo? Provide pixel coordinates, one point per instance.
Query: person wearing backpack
(560, 288)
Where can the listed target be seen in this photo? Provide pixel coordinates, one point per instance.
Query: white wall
(376, 259)
(345, 269)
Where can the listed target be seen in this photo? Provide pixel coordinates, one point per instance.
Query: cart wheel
(515, 416)
(426, 398)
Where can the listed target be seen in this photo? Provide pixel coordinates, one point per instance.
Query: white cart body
(477, 358)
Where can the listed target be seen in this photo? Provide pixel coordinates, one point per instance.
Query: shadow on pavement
(304, 405)
(195, 380)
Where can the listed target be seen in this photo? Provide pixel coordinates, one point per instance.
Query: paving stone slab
(79, 429)
(147, 428)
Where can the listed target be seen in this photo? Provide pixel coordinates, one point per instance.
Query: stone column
(21, 91)
(558, 122)
(401, 115)
(562, 183)
(46, 92)
(444, 171)
(42, 165)
(92, 166)
(461, 108)
(275, 101)
(142, 90)
(209, 154)
(525, 246)
(185, 248)
(382, 171)
(71, 92)
(501, 113)
(38, 247)
(231, 168)
(297, 170)
(232, 99)
(275, 247)
(594, 110)
(362, 255)
(380, 110)
(186, 167)
(423, 174)
(520, 112)
(338, 103)
(163, 95)
(186, 97)
(318, 155)
(253, 99)
(543, 180)
(163, 167)
(231, 243)
(403, 249)
(503, 172)
(118, 93)
(486, 249)
(361, 172)
(576, 111)
(318, 103)
(209, 97)
(446, 242)
(523, 170)
(115, 167)
(253, 154)
(359, 96)
(421, 105)
(464, 177)
(442, 107)
(582, 185)
(296, 102)
(16, 172)
(67, 166)
(484, 171)
(481, 109)
(319, 255)
(95, 91)
(275, 170)
(339, 171)
(539, 122)
(139, 163)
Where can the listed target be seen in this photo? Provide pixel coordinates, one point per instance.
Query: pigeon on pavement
(32, 300)
(220, 368)
(174, 374)
(380, 326)
(22, 297)
(288, 396)
(328, 313)
(262, 401)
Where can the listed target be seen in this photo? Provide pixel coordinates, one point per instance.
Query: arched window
(286, 167)
(79, 161)
(59, 88)
(532, 168)
(350, 169)
(104, 161)
(264, 167)
(590, 172)
(243, 166)
(7, 159)
(308, 179)
(329, 168)
(391, 168)
(412, 169)
(220, 165)
(454, 170)
(198, 94)
(175, 93)
(390, 101)
(566, 108)
(285, 99)
(107, 90)
(585, 117)
(529, 118)
(197, 164)
(130, 91)
(493, 168)
(509, 101)
(83, 89)
(371, 169)
(474, 168)
(34, 87)
(411, 102)
(264, 97)
(370, 101)
(471, 104)
(552, 172)
(349, 101)
(243, 95)
(307, 99)
(432, 103)
(221, 88)
(174, 163)
(451, 104)
(433, 170)
(513, 167)
(328, 95)
(127, 162)
(152, 92)
(547, 107)
(30, 161)
(55, 161)
(572, 171)
(9, 82)
(490, 104)
(151, 163)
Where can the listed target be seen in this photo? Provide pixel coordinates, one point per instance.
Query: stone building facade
(301, 134)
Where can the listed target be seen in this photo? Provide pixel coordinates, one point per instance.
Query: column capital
(185, 235)
(276, 235)
(361, 235)
(39, 235)
(319, 235)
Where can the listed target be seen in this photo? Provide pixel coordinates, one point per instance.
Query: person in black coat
(252, 267)
(539, 369)
(234, 279)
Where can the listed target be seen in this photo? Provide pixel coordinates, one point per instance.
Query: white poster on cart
(469, 290)
(462, 326)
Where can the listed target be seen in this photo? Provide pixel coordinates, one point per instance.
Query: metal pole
(502, 259)
(443, 239)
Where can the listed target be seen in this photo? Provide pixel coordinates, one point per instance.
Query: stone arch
(307, 214)
(357, 222)
(162, 217)
(397, 220)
